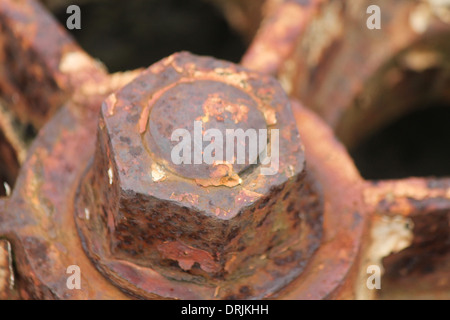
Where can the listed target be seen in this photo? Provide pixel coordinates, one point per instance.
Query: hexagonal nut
(199, 222)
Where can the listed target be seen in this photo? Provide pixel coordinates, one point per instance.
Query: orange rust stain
(397, 194)
(270, 116)
(216, 106)
(246, 196)
(229, 267)
(188, 197)
(186, 256)
(223, 175)
(111, 101)
(236, 79)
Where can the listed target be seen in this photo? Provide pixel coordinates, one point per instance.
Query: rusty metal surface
(332, 271)
(284, 22)
(31, 55)
(203, 225)
(370, 76)
(6, 270)
(425, 203)
(97, 188)
(358, 80)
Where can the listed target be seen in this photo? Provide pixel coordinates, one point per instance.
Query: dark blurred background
(126, 35)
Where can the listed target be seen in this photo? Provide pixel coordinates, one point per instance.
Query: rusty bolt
(155, 229)
(225, 230)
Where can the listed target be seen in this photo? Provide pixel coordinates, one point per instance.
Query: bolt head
(213, 222)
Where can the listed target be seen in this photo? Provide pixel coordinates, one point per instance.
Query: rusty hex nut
(205, 224)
